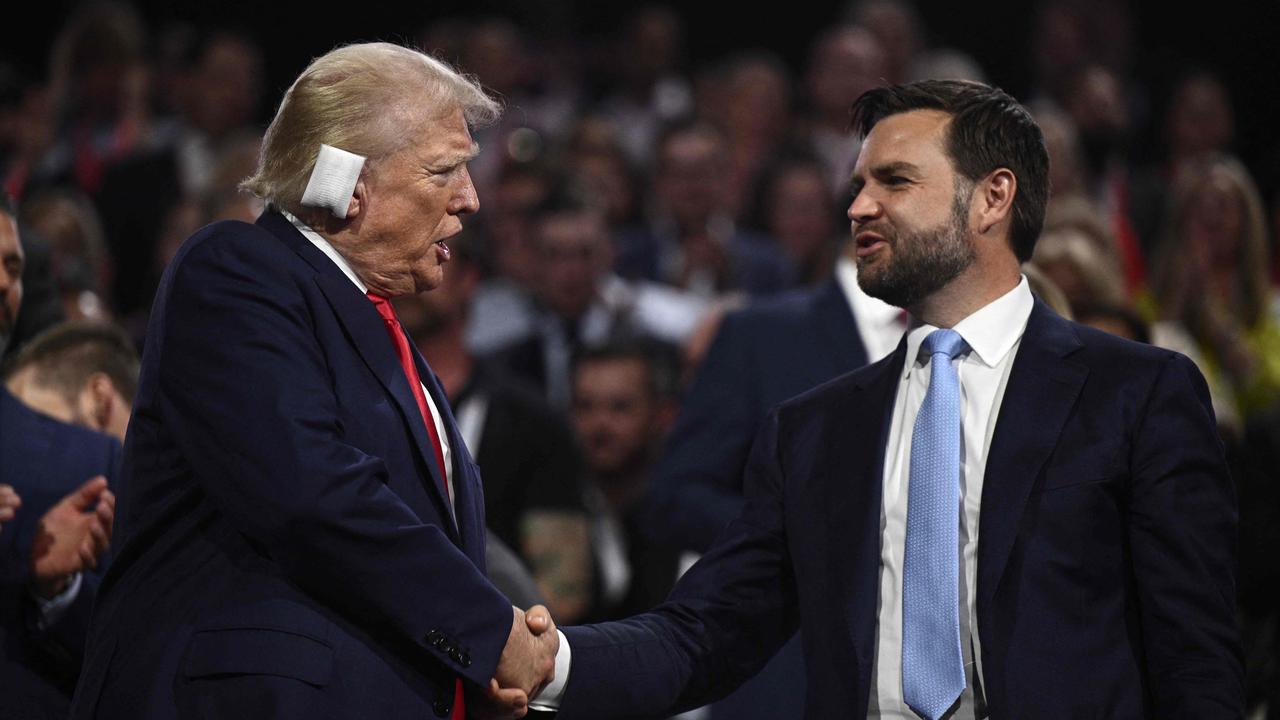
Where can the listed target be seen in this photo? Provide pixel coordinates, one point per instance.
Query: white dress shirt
(880, 325)
(993, 334)
(323, 246)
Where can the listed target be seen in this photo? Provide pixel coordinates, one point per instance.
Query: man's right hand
(528, 662)
(9, 504)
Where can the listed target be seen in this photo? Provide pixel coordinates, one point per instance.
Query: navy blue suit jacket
(44, 460)
(285, 547)
(1105, 559)
(769, 351)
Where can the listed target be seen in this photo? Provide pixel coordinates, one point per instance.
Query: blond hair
(1253, 254)
(368, 99)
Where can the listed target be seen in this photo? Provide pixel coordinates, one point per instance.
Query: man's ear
(97, 400)
(359, 198)
(995, 201)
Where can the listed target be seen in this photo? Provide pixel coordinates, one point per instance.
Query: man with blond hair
(301, 528)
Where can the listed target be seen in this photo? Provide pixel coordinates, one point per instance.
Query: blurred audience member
(1098, 105)
(82, 373)
(52, 543)
(1066, 164)
(218, 95)
(503, 307)
(598, 168)
(896, 24)
(80, 266)
(540, 101)
(622, 410)
(1198, 122)
(753, 110)
(844, 62)
(531, 469)
(12, 263)
(1077, 254)
(1212, 278)
(692, 241)
(794, 207)
(99, 98)
(650, 90)
(581, 304)
(27, 128)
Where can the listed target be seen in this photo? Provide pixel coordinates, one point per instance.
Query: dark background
(1237, 39)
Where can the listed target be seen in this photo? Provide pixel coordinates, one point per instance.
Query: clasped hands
(70, 537)
(527, 666)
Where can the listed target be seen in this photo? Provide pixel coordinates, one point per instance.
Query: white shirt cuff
(56, 606)
(549, 698)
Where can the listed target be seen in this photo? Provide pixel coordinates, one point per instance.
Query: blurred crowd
(629, 204)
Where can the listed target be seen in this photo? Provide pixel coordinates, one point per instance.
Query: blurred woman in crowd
(1212, 277)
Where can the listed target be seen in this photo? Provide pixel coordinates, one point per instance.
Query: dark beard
(923, 261)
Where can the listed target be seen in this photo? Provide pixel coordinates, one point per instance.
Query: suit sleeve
(726, 617)
(697, 487)
(245, 387)
(1182, 535)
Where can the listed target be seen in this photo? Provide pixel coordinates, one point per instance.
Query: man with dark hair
(1089, 465)
(622, 410)
(53, 538)
(693, 242)
(581, 304)
(81, 373)
(12, 261)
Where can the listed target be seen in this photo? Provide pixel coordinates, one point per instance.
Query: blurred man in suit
(58, 515)
(301, 525)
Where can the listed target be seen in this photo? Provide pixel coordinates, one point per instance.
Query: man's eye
(896, 180)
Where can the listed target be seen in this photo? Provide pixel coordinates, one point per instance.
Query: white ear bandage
(333, 180)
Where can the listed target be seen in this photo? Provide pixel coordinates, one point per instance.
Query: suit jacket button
(441, 707)
(465, 660)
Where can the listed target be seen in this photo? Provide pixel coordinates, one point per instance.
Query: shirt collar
(866, 309)
(323, 246)
(990, 332)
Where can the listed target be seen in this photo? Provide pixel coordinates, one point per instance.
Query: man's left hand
(72, 536)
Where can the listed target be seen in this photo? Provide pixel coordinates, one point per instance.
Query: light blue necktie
(932, 667)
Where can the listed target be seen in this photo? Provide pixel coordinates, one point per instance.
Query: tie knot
(382, 305)
(945, 341)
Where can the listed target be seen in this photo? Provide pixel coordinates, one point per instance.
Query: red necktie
(401, 343)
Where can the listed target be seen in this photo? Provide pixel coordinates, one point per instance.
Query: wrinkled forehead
(917, 137)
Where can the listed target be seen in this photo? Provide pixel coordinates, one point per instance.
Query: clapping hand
(72, 536)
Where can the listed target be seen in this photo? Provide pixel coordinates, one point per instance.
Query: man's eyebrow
(458, 158)
(894, 168)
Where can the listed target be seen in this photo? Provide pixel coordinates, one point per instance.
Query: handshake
(526, 668)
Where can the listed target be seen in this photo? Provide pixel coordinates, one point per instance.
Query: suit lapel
(1042, 390)
(857, 440)
(368, 334)
(465, 483)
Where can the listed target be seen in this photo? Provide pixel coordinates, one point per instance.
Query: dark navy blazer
(284, 544)
(44, 460)
(1105, 559)
(769, 351)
